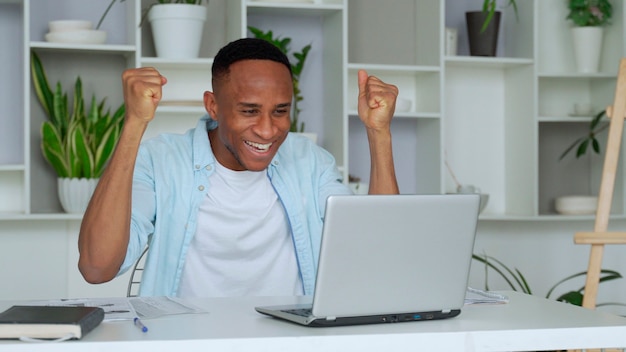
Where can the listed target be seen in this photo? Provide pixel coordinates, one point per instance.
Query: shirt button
(200, 188)
(275, 162)
(197, 166)
(208, 168)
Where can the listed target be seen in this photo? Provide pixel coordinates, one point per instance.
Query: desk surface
(525, 323)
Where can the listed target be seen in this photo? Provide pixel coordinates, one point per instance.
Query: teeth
(259, 146)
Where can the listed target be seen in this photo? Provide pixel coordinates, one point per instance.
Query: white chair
(135, 277)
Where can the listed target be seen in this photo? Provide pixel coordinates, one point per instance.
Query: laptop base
(357, 320)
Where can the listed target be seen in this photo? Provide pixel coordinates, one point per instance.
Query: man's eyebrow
(255, 105)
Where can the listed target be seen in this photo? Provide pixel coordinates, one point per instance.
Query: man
(234, 206)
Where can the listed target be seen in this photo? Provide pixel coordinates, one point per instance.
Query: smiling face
(252, 106)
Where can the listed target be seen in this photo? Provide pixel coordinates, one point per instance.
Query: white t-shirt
(243, 245)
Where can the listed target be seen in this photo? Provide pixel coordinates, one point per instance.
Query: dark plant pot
(482, 43)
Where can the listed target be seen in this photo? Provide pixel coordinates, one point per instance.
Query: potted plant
(582, 144)
(588, 18)
(177, 27)
(518, 282)
(483, 28)
(76, 142)
(283, 43)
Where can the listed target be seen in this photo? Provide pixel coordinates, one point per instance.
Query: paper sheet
(122, 308)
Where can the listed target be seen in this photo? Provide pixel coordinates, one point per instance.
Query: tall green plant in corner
(283, 43)
(76, 142)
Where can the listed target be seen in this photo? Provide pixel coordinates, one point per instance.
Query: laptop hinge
(331, 318)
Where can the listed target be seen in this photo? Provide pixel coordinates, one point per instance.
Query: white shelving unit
(499, 122)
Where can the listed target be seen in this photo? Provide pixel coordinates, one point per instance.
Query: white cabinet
(500, 123)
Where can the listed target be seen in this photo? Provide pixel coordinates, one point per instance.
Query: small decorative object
(403, 104)
(451, 41)
(74, 32)
(357, 186)
(76, 143)
(468, 189)
(576, 205)
(588, 18)
(483, 28)
(177, 27)
(283, 44)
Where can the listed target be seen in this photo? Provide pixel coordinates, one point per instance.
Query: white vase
(587, 48)
(177, 29)
(75, 193)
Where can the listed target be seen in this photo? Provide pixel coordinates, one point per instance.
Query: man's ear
(210, 104)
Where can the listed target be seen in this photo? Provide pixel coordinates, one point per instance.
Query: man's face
(252, 107)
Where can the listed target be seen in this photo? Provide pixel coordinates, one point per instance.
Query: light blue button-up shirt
(171, 178)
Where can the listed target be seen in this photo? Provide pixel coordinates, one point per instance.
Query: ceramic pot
(587, 48)
(482, 43)
(177, 29)
(75, 193)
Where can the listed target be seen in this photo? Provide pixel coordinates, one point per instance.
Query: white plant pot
(75, 193)
(587, 48)
(177, 29)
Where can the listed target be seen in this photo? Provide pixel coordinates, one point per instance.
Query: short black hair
(246, 49)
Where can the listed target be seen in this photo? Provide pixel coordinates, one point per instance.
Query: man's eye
(281, 111)
(249, 112)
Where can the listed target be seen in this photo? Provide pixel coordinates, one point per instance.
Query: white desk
(526, 323)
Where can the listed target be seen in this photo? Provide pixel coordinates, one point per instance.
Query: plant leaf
(40, 83)
(52, 149)
(572, 297)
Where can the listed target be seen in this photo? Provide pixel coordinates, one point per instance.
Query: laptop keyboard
(303, 312)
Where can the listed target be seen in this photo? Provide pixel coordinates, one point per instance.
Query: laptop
(388, 259)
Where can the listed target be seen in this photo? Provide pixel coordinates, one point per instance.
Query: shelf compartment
(416, 152)
(12, 190)
(487, 119)
(413, 36)
(571, 175)
(117, 24)
(557, 95)
(555, 50)
(420, 86)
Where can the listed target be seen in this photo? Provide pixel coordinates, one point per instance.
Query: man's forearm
(104, 232)
(382, 169)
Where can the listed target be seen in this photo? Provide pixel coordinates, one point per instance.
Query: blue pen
(140, 325)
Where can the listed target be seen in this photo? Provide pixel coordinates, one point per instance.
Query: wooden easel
(600, 237)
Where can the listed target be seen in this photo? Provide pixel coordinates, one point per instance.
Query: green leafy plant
(517, 282)
(584, 13)
(75, 142)
(283, 43)
(489, 7)
(582, 144)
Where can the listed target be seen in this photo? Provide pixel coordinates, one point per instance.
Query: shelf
(485, 62)
(576, 75)
(354, 67)
(12, 167)
(544, 218)
(87, 48)
(572, 119)
(405, 115)
(291, 8)
(9, 216)
(188, 64)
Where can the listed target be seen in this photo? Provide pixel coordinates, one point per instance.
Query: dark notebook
(49, 322)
